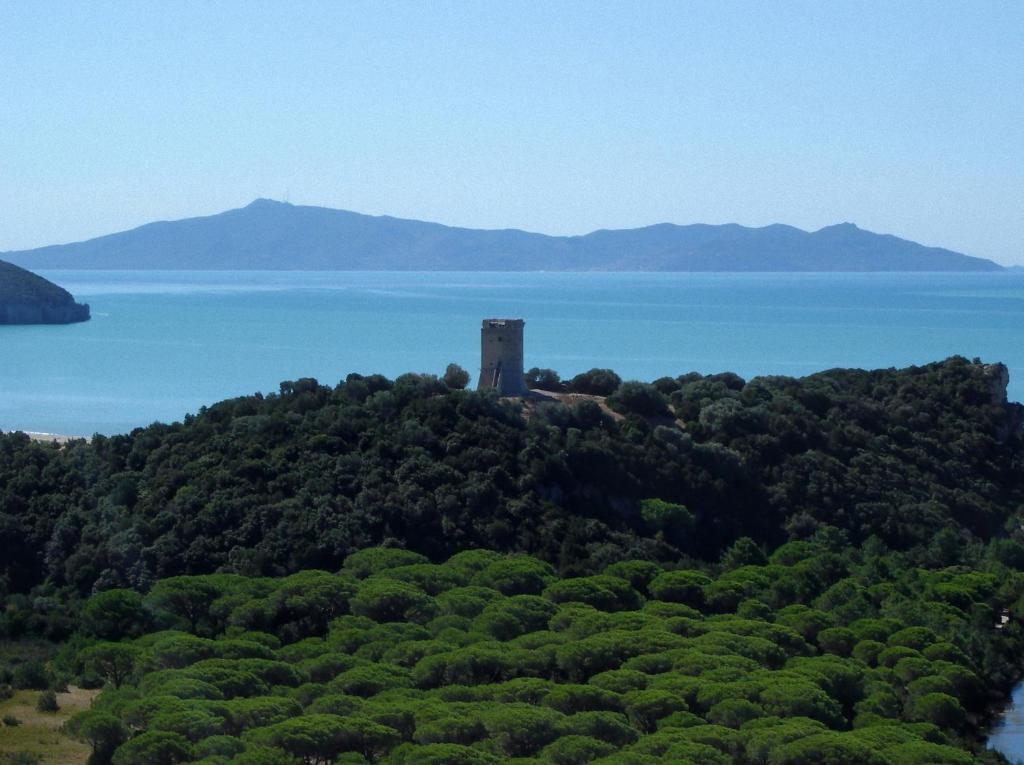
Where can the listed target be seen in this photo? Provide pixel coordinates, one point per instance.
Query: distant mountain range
(27, 298)
(268, 235)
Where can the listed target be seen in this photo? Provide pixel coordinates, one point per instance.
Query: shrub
(516, 575)
(115, 614)
(455, 377)
(638, 573)
(373, 560)
(686, 587)
(47, 702)
(645, 708)
(596, 382)
(507, 618)
(31, 675)
(102, 730)
(20, 758)
(520, 730)
(575, 750)
(543, 379)
(219, 746)
(441, 754)
(154, 748)
(606, 593)
(838, 640)
(390, 600)
(639, 398)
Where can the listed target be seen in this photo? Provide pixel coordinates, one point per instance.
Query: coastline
(51, 438)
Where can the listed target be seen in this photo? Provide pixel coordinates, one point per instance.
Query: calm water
(1007, 736)
(162, 344)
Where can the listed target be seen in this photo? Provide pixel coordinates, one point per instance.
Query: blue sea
(162, 344)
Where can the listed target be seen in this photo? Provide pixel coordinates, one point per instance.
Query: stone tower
(501, 356)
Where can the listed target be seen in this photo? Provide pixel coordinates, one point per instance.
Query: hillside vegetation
(927, 457)
(822, 654)
(703, 571)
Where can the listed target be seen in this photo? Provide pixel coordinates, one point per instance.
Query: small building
(501, 356)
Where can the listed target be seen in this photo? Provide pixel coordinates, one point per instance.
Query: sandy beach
(53, 438)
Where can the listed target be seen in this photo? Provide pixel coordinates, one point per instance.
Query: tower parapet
(501, 356)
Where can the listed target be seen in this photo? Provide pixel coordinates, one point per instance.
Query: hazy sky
(559, 117)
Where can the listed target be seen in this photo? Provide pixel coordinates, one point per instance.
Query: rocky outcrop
(998, 377)
(27, 313)
(27, 298)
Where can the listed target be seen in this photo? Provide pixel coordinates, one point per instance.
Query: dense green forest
(699, 570)
(822, 654)
(927, 457)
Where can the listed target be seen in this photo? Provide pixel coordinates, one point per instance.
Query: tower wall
(501, 356)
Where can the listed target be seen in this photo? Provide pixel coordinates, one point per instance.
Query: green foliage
(456, 377)
(686, 587)
(638, 573)
(521, 730)
(395, 661)
(543, 379)
(516, 575)
(743, 552)
(645, 708)
(114, 662)
(301, 479)
(647, 624)
(113, 614)
(324, 738)
(103, 731)
(188, 597)
(47, 702)
(374, 560)
(940, 709)
(825, 749)
(389, 600)
(31, 675)
(19, 757)
(507, 618)
(596, 382)
(218, 746)
(154, 748)
(638, 398)
(606, 593)
(575, 750)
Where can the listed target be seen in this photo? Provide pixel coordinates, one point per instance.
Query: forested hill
(268, 235)
(927, 456)
(26, 298)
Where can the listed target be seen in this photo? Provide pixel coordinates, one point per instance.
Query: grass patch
(39, 732)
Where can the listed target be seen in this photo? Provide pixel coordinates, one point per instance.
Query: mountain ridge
(271, 235)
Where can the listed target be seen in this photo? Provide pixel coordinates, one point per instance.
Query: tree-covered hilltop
(699, 571)
(821, 654)
(26, 298)
(927, 459)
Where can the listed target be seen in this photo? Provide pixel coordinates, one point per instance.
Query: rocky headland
(26, 298)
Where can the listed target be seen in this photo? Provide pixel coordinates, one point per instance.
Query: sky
(902, 117)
